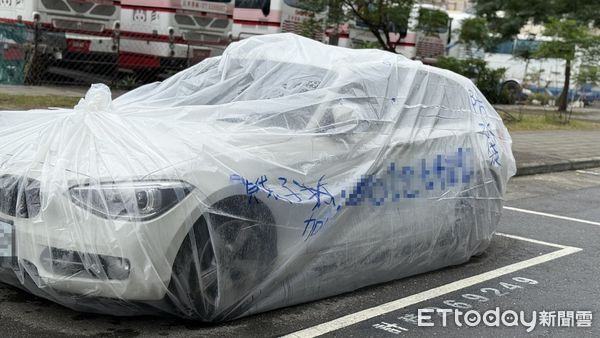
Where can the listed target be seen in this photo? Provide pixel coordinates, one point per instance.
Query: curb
(561, 165)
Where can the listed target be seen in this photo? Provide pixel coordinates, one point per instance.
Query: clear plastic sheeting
(281, 172)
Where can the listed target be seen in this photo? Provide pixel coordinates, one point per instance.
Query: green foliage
(535, 76)
(432, 21)
(474, 33)
(313, 26)
(127, 83)
(506, 17)
(548, 121)
(542, 98)
(8, 101)
(382, 17)
(566, 21)
(588, 74)
(336, 14)
(366, 45)
(524, 51)
(486, 79)
(568, 35)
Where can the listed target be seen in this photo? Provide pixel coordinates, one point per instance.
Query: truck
(69, 40)
(161, 37)
(258, 17)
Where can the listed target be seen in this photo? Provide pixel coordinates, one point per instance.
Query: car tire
(221, 262)
(473, 215)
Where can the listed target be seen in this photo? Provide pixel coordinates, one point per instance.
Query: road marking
(553, 216)
(398, 304)
(533, 240)
(588, 172)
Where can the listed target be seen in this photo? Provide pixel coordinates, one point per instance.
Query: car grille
(19, 196)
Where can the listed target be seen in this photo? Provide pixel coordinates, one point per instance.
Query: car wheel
(216, 271)
(194, 281)
(476, 211)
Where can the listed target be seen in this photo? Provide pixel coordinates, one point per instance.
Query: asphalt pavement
(544, 259)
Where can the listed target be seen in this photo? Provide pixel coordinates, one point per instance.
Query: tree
(507, 17)
(336, 16)
(566, 21)
(525, 52)
(587, 75)
(568, 36)
(432, 21)
(485, 78)
(312, 27)
(474, 33)
(382, 17)
(323, 14)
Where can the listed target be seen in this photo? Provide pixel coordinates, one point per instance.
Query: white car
(281, 172)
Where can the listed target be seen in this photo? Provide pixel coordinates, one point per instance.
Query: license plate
(7, 243)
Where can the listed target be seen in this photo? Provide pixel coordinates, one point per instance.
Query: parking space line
(588, 172)
(552, 216)
(533, 240)
(398, 304)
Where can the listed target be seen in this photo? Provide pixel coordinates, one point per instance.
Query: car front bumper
(73, 251)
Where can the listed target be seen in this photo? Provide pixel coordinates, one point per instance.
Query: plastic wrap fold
(281, 172)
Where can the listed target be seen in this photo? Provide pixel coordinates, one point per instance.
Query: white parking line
(532, 240)
(552, 216)
(395, 305)
(588, 172)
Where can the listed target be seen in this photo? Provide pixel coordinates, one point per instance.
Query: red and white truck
(71, 39)
(159, 37)
(258, 17)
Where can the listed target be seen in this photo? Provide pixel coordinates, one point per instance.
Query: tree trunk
(382, 42)
(564, 95)
(525, 72)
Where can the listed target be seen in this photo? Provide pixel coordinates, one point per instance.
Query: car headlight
(134, 201)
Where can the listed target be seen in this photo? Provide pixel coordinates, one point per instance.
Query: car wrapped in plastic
(281, 172)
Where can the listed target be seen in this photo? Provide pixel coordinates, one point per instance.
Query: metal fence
(36, 54)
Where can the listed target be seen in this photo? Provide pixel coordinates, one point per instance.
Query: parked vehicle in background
(417, 43)
(160, 37)
(541, 80)
(70, 39)
(258, 17)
